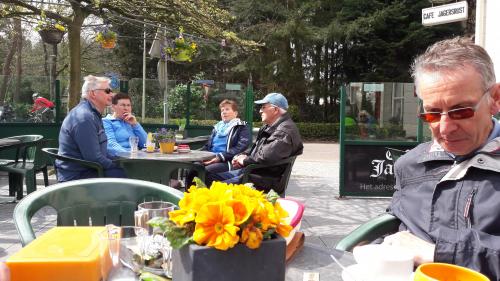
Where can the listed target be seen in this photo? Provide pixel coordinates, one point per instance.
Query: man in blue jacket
(448, 190)
(82, 134)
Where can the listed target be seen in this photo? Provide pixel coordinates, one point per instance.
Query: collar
(92, 107)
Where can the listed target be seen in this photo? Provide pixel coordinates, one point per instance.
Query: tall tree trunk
(6, 71)
(19, 66)
(75, 71)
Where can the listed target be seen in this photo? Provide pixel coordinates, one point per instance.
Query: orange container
(61, 254)
(446, 272)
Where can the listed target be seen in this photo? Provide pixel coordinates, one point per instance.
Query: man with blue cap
(278, 139)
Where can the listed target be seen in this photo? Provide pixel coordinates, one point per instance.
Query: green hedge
(315, 131)
(308, 131)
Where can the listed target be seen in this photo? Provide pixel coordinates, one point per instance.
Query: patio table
(192, 156)
(309, 259)
(8, 143)
(193, 141)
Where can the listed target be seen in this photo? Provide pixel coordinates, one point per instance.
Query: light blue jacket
(118, 133)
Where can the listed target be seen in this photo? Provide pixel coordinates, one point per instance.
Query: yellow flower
(284, 229)
(241, 210)
(215, 226)
(251, 236)
(181, 217)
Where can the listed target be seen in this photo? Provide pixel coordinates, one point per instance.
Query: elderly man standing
(278, 139)
(82, 134)
(448, 190)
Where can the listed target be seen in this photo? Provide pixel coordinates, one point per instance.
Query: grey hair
(282, 111)
(91, 83)
(450, 56)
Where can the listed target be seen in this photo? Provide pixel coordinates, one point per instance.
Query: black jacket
(452, 204)
(238, 141)
(276, 142)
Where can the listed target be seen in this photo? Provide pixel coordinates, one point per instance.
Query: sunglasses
(107, 90)
(455, 114)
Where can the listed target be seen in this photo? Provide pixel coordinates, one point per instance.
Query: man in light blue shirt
(121, 125)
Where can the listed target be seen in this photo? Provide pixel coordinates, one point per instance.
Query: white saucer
(357, 273)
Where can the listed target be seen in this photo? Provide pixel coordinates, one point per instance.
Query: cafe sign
(445, 13)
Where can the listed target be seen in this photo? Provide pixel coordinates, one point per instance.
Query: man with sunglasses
(448, 190)
(82, 135)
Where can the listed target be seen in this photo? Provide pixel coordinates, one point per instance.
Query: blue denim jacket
(453, 204)
(82, 136)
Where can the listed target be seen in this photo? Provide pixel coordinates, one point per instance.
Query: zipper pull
(467, 208)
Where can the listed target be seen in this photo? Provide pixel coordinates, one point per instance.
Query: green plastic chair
(53, 153)
(95, 202)
(159, 171)
(280, 188)
(28, 162)
(369, 231)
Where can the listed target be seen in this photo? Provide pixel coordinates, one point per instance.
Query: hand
(211, 161)
(238, 161)
(422, 250)
(129, 118)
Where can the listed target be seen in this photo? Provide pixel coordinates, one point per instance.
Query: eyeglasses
(455, 114)
(107, 90)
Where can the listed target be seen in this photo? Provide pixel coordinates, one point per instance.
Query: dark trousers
(210, 170)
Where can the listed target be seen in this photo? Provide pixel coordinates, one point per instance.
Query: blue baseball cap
(275, 99)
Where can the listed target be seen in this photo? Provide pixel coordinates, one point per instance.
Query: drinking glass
(156, 245)
(122, 248)
(149, 210)
(134, 144)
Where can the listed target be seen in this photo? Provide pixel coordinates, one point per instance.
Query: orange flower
(251, 236)
(215, 226)
(241, 210)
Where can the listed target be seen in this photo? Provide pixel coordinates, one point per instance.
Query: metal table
(310, 258)
(8, 143)
(192, 156)
(313, 258)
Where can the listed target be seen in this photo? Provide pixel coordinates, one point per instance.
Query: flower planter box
(197, 263)
(51, 36)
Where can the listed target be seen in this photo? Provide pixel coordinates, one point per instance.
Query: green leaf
(148, 276)
(178, 236)
(199, 183)
(272, 196)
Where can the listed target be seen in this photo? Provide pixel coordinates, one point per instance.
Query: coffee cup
(384, 262)
(445, 271)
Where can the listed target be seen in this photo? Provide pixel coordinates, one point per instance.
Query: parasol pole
(165, 91)
(144, 77)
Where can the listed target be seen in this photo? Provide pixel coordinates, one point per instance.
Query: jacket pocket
(101, 136)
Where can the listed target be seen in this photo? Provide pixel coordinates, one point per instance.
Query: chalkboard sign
(369, 170)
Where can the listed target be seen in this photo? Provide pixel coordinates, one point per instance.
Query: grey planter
(199, 263)
(51, 36)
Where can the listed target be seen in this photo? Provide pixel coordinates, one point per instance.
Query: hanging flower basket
(50, 30)
(51, 36)
(182, 50)
(107, 38)
(109, 44)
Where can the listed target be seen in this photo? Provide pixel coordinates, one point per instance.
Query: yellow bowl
(446, 272)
